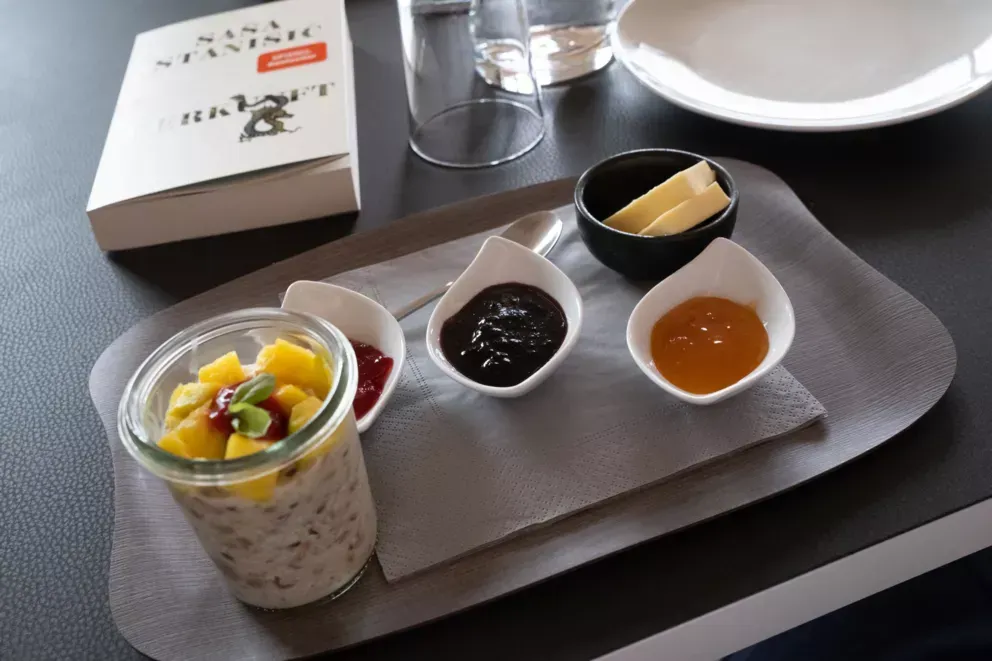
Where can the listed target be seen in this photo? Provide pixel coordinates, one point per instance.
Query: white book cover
(239, 99)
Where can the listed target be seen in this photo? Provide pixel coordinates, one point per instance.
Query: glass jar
(286, 526)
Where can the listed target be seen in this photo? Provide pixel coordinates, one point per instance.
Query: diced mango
(172, 443)
(225, 371)
(176, 394)
(302, 413)
(185, 398)
(321, 385)
(261, 488)
(292, 364)
(201, 439)
(289, 396)
(324, 447)
(242, 446)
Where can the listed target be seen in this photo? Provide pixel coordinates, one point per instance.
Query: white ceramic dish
(360, 319)
(501, 261)
(809, 65)
(723, 269)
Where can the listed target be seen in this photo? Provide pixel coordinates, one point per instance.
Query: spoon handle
(418, 303)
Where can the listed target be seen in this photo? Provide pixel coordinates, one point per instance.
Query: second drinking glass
(472, 95)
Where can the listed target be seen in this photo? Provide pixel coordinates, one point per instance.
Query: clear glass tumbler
(286, 526)
(472, 96)
(569, 38)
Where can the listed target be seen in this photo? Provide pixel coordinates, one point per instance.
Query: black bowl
(608, 186)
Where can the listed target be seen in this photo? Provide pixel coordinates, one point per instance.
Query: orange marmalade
(707, 343)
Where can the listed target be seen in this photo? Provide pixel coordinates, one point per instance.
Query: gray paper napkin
(453, 471)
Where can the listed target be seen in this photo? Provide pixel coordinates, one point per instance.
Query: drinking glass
(569, 38)
(472, 95)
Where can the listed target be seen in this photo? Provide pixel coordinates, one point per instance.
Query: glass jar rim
(217, 472)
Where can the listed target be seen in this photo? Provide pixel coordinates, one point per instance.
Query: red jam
(222, 419)
(373, 371)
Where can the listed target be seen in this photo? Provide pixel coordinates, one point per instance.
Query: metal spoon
(538, 231)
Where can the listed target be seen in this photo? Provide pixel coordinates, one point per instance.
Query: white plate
(809, 65)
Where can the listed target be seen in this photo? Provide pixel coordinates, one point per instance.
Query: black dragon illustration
(271, 113)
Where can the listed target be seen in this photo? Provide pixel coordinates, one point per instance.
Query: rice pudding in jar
(248, 419)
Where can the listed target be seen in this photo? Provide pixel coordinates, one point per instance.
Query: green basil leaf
(250, 421)
(255, 390)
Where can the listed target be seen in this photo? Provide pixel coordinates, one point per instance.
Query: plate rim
(927, 108)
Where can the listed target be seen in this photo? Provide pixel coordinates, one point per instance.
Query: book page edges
(351, 104)
(319, 193)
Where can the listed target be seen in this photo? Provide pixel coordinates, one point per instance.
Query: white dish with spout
(500, 261)
(727, 270)
(362, 320)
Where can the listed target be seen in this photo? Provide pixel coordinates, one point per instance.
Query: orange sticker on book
(292, 57)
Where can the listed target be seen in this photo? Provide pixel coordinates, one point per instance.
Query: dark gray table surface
(913, 200)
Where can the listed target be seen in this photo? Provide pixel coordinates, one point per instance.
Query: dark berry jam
(504, 334)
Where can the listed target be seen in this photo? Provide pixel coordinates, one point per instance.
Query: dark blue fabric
(943, 615)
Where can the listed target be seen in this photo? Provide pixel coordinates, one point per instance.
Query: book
(230, 122)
